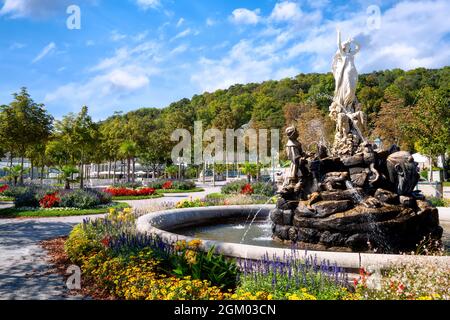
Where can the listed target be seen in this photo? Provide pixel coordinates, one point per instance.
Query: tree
(128, 150)
(14, 173)
(24, 124)
(391, 122)
(430, 123)
(67, 173)
(79, 136)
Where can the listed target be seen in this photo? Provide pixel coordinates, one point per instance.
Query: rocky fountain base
(358, 203)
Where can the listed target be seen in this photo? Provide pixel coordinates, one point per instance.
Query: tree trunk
(128, 169)
(109, 170)
(134, 169)
(431, 169)
(21, 170)
(32, 171)
(42, 175)
(81, 175)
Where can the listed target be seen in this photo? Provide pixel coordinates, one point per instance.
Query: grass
(154, 196)
(16, 213)
(9, 199)
(447, 184)
(179, 190)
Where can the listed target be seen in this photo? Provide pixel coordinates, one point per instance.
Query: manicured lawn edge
(6, 199)
(138, 197)
(14, 213)
(179, 191)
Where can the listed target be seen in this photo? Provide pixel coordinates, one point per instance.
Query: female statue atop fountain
(345, 73)
(345, 109)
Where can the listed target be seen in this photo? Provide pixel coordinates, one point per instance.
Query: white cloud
(148, 4)
(48, 49)
(182, 34)
(180, 22)
(90, 43)
(117, 36)
(126, 72)
(411, 35)
(245, 62)
(210, 22)
(286, 11)
(32, 8)
(245, 16)
(17, 45)
(180, 49)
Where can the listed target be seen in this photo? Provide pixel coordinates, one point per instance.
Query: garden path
(25, 273)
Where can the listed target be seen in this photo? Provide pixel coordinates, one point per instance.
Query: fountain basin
(162, 224)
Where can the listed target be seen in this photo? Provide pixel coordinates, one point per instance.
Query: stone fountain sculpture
(354, 198)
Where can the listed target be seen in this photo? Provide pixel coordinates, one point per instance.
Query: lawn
(16, 213)
(153, 196)
(179, 190)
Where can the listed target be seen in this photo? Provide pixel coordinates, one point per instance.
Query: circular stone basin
(166, 223)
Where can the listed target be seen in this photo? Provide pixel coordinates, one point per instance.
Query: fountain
(354, 198)
(340, 204)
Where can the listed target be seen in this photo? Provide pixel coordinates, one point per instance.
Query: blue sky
(148, 53)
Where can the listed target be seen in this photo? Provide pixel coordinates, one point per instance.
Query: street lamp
(378, 143)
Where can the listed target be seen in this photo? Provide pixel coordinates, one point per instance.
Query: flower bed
(38, 201)
(126, 265)
(243, 187)
(128, 192)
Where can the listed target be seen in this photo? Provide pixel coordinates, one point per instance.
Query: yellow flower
(195, 243)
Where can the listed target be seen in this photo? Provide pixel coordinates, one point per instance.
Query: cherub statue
(294, 153)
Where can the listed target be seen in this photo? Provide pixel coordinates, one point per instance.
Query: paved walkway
(24, 270)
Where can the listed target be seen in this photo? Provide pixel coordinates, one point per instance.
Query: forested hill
(384, 95)
(265, 103)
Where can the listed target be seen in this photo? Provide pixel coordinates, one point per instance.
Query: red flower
(125, 192)
(355, 282)
(49, 200)
(247, 189)
(105, 241)
(4, 188)
(167, 185)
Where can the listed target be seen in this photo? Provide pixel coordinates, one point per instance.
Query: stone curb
(154, 223)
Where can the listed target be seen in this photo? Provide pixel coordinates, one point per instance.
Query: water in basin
(259, 233)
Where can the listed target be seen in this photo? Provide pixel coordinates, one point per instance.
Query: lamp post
(378, 143)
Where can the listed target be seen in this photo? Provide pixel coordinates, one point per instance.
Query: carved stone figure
(358, 198)
(345, 109)
(403, 172)
(294, 153)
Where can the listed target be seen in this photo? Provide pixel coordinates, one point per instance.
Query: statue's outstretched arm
(339, 42)
(357, 47)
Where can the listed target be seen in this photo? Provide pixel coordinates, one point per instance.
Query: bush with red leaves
(50, 201)
(247, 189)
(126, 192)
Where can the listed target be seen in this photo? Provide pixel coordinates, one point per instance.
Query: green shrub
(234, 187)
(437, 202)
(26, 197)
(267, 189)
(188, 260)
(81, 199)
(128, 185)
(183, 185)
(157, 184)
(259, 188)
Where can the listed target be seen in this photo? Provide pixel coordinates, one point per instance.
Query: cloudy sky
(148, 53)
